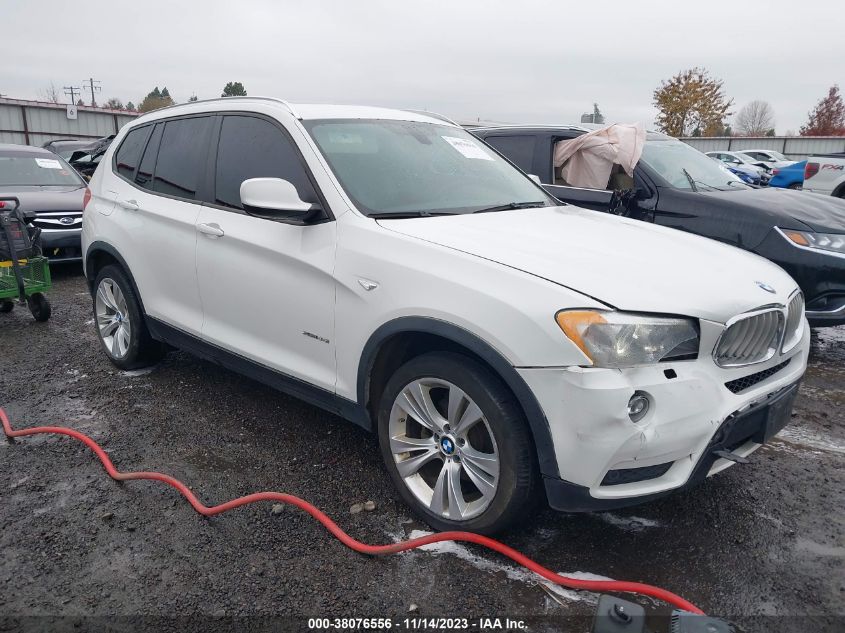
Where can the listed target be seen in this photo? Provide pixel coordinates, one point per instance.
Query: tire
(6, 306)
(120, 325)
(498, 484)
(39, 307)
(797, 186)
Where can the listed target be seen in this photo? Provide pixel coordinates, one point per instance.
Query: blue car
(789, 177)
(745, 176)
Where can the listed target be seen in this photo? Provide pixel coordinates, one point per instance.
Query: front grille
(58, 220)
(750, 339)
(632, 475)
(794, 323)
(746, 382)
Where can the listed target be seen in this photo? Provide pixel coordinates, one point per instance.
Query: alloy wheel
(444, 448)
(113, 322)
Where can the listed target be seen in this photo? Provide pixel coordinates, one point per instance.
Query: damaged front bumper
(702, 420)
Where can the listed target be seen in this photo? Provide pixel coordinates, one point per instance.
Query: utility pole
(92, 85)
(72, 91)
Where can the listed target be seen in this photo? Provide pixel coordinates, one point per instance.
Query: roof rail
(287, 104)
(434, 115)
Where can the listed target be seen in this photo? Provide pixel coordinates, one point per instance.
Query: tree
(755, 118)
(689, 100)
(234, 89)
(156, 99)
(50, 94)
(115, 104)
(828, 117)
(80, 102)
(598, 117)
(130, 106)
(193, 98)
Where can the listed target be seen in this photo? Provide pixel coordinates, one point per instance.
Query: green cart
(24, 271)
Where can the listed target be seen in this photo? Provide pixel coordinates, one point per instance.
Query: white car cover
(588, 159)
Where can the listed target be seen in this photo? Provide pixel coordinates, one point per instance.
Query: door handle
(212, 230)
(130, 205)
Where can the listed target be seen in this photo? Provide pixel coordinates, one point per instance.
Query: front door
(267, 287)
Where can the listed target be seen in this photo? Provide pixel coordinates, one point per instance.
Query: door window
(181, 157)
(518, 149)
(129, 153)
(251, 147)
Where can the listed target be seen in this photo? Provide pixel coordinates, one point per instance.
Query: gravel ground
(760, 544)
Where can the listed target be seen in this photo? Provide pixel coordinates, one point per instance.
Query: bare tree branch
(755, 118)
(50, 94)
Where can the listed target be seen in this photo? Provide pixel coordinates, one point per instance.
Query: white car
(395, 270)
(766, 157)
(740, 161)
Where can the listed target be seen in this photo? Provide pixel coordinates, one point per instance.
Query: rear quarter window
(129, 153)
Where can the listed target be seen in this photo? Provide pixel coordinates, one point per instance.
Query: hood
(788, 209)
(627, 264)
(47, 198)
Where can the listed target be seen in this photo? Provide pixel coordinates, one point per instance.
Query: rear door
(159, 203)
(267, 287)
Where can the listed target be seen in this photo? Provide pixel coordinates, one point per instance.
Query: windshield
(777, 155)
(406, 167)
(677, 164)
(41, 170)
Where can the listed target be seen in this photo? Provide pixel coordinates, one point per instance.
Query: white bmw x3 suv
(393, 269)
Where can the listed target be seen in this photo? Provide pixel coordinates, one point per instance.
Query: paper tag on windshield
(467, 148)
(48, 163)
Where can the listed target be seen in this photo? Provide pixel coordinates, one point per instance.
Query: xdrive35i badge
(765, 287)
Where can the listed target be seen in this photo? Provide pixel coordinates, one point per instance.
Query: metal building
(35, 122)
(793, 147)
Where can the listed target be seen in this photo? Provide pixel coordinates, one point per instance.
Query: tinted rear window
(182, 157)
(129, 153)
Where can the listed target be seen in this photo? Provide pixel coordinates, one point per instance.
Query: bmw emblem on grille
(67, 220)
(765, 287)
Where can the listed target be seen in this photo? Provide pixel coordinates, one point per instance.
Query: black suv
(678, 186)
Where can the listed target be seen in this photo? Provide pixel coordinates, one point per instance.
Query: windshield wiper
(395, 215)
(694, 183)
(513, 205)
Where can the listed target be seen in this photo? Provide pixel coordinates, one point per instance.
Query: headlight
(833, 242)
(619, 339)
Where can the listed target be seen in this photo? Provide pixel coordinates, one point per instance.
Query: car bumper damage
(701, 420)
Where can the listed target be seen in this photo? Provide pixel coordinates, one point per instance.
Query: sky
(519, 61)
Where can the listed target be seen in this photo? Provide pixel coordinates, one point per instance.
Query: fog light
(638, 406)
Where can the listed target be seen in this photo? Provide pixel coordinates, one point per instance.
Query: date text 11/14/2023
(417, 624)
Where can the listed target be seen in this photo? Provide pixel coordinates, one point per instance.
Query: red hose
(343, 537)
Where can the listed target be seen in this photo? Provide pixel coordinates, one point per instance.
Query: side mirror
(276, 199)
(535, 178)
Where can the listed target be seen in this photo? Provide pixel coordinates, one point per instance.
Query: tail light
(775, 172)
(86, 198)
(810, 170)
